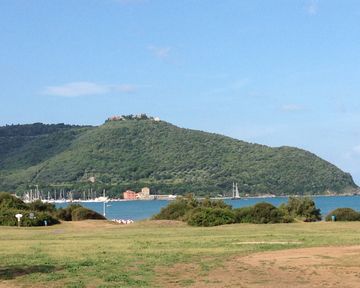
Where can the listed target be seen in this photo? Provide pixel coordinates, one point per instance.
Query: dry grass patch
(307, 267)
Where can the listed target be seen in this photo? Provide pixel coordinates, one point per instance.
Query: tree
(303, 208)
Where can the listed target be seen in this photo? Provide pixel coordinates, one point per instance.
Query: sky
(275, 72)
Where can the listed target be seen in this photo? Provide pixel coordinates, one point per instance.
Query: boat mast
(237, 191)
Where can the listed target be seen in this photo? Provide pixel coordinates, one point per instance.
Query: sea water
(139, 210)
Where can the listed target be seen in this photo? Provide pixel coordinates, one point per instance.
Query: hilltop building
(132, 117)
(115, 118)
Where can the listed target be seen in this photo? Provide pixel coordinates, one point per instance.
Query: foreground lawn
(147, 254)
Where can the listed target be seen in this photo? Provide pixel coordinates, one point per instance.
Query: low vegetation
(301, 208)
(38, 213)
(215, 212)
(343, 214)
(260, 213)
(183, 208)
(76, 212)
(206, 216)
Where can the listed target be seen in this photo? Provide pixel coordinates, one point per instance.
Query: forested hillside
(132, 153)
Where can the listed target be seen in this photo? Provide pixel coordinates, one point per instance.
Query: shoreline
(199, 198)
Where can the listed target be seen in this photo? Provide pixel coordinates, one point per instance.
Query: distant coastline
(171, 198)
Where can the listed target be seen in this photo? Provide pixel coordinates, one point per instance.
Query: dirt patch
(306, 267)
(6, 285)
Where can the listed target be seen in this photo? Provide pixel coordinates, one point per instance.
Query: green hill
(133, 153)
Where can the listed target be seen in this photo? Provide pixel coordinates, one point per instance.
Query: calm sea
(139, 210)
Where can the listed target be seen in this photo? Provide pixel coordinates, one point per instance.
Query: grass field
(153, 253)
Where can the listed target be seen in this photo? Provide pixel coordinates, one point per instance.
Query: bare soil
(305, 267)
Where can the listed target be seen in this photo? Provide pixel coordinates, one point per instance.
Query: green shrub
(40, 206)
(243, 215)
(11, 205)
(182, 208)
(65, 213)
(83, 213)
(177, 209)
(207, 202)
(260, 213)
(8, 201)
(211, 213)
(39, 211)
(266, 213)
(38, 220)
(7, 218)
(344, 214)
(303, 208)
(204, 216)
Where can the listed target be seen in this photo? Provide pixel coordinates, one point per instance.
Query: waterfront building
(130, 195)
(144, 193)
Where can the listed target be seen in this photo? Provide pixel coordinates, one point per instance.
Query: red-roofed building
(130, 195)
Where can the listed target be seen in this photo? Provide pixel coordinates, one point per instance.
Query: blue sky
(280, 72)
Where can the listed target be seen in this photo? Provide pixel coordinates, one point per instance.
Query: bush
(11, 205)
(182, 208)
(65, 213)
(207, 217)
(39, 211)
(303, 208)
(38, 205)
(7, 218)
(344, 214)
(211, 213)
(207, 202)
(266, 213)
(243, 215)
(260, 213)
(38, 220)
(83, 213)
(177, 209)
(8, 201)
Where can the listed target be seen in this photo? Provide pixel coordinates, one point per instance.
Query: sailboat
(103, 198)
(235, 191)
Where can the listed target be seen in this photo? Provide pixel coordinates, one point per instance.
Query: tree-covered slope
(132, 153)
(22, 146)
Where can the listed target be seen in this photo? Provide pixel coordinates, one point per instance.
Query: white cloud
(77, 89)
(312, 7)
(159, 52)
(291, 107)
